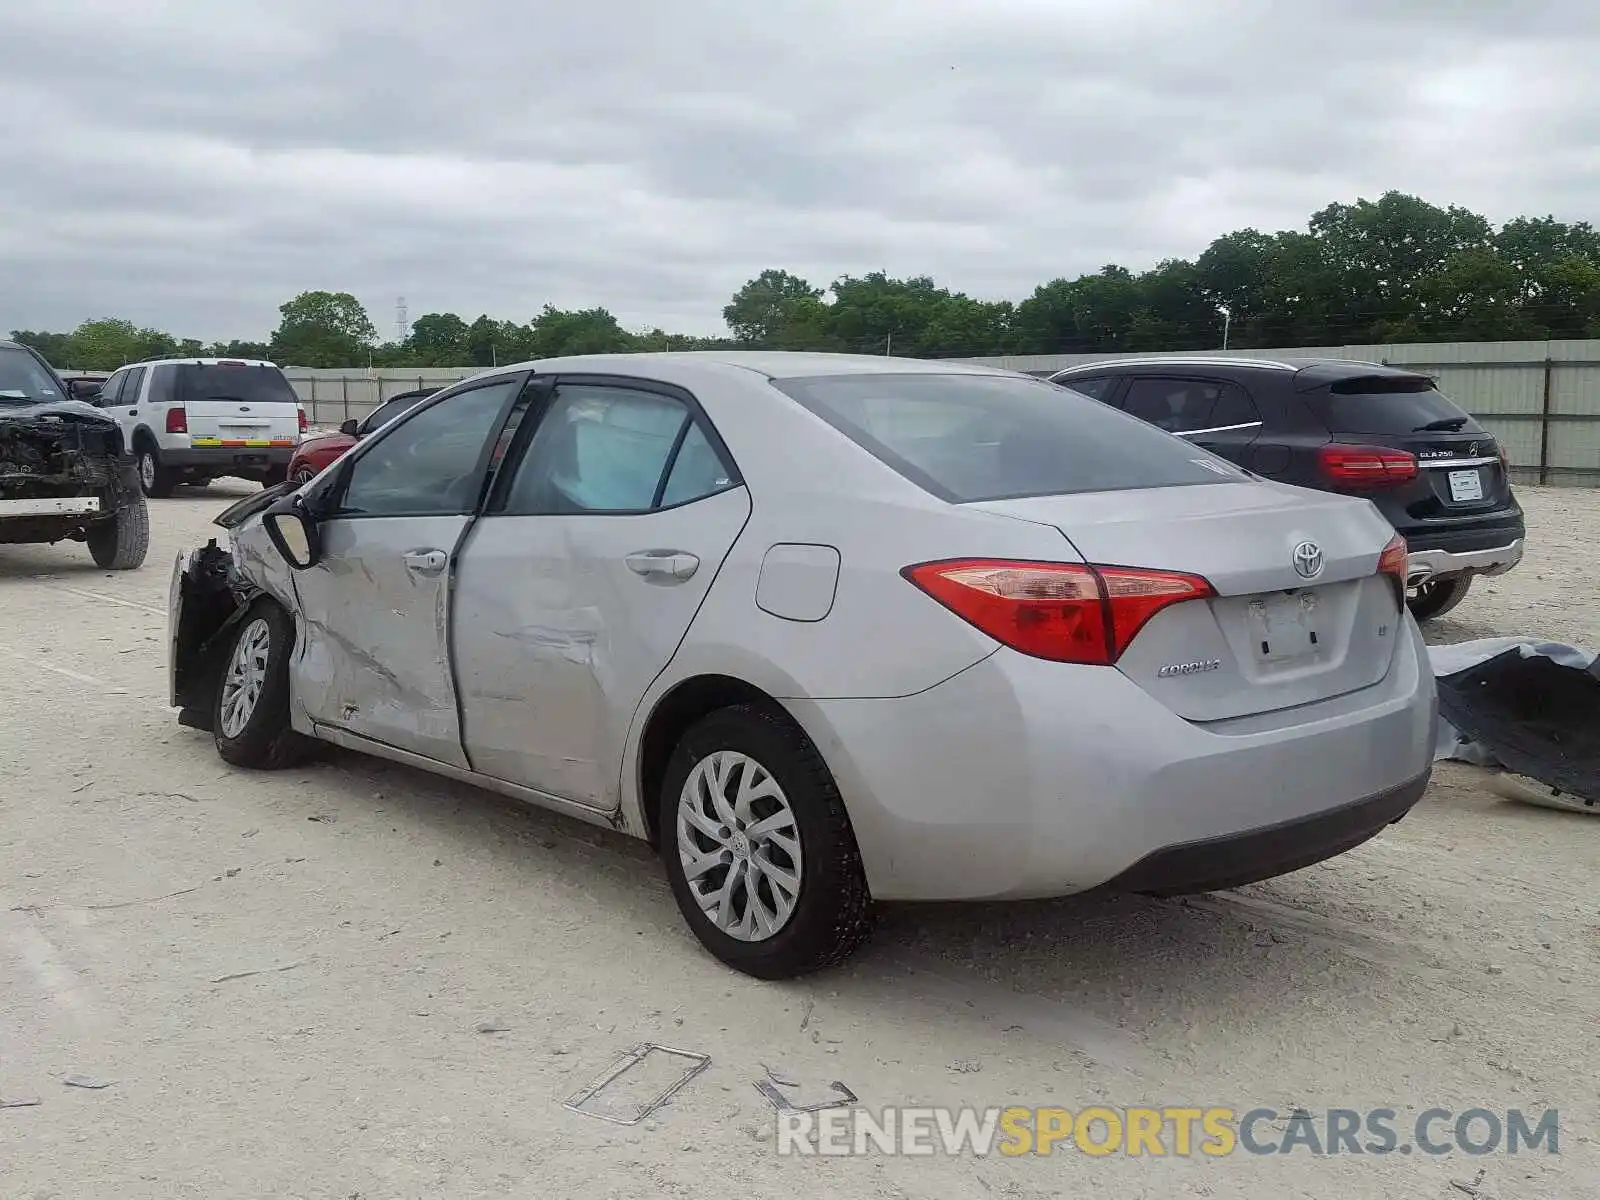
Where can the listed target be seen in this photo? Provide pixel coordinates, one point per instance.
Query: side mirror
(82, 389)
(293, 533)
(350, 427)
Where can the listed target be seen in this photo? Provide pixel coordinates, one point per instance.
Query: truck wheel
(250, 721)
(121, 543)
(1435, 597)
(274, 476)
(154, 479)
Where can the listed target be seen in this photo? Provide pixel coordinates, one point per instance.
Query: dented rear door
(578, 585)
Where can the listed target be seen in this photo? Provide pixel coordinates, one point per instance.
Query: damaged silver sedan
(65, 474)
(828, 630)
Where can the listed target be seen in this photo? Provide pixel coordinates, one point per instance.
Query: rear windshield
(1388, 406)
(986, 437)
(246, 384)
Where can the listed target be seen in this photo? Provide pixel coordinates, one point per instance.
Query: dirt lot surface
(283, 977)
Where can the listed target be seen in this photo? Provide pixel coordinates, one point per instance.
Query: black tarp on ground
(1533, 708)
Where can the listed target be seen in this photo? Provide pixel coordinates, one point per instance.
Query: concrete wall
(1541, 399)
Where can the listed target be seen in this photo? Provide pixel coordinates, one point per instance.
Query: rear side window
(161, 381)
(607, 449)
(1097, 387)
(1379, 405)
(1189, 405)
(985, 437)
(242, 382)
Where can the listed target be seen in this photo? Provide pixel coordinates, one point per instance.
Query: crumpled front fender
(207, 598)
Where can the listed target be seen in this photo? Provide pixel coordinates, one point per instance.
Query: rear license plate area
(249, 460)
(1466, 486)
(1283, 627)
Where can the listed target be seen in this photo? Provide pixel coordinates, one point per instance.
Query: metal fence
(1541, 399)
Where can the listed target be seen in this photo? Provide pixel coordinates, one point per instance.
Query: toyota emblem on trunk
(1307, 559)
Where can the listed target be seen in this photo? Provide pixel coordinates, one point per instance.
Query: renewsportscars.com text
(1163, 1132)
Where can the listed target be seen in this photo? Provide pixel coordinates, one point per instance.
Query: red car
(316, 453)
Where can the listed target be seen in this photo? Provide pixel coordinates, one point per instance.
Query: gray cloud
(193, 167)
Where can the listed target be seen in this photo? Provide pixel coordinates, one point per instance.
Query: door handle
(425, 562)
(667, 564)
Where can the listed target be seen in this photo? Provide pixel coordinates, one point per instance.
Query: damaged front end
(212, 589)
(63, 468)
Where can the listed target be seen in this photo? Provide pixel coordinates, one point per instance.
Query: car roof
(774, 364)
(1320, 370)
(1304, 374)
(200, 362)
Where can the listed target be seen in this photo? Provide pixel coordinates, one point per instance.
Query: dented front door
(376, 619)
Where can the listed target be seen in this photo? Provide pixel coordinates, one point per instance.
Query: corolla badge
(1307, 558)
(1189, 668)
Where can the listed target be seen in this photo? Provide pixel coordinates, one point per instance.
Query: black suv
(1338, 425)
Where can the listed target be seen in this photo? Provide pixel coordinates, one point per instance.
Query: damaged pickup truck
(64, 472)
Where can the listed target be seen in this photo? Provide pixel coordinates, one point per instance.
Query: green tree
(323, 329)
(556, 332)
(111, 342)
(777, 311)
(238, 349)
(56, 347)
(438, 340)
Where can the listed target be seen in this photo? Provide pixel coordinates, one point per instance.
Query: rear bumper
(225, 460)
(1020, 778)
(1422, 565)
(1240, 858)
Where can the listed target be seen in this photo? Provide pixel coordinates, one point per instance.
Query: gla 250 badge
(1194, 668)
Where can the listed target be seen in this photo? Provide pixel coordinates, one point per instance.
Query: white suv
(190, 420)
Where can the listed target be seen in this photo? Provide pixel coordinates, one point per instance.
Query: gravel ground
(283, 977)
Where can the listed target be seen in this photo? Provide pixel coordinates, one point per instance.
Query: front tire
(1435, 597)
(154, 480)
(121, 543)
(250, 716)
(758, 846)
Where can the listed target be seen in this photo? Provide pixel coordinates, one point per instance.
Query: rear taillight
(1065, 612)
(304, 423)
(1392, 561)
(1365, 466)
(177, 419)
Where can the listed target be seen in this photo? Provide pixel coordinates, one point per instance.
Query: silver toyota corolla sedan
(828, 630)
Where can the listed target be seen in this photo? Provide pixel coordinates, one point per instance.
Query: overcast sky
(192, 165)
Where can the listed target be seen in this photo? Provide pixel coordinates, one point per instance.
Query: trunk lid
(1271, 638)
(243, 404)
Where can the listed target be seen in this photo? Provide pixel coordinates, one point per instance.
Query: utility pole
(1227, 321)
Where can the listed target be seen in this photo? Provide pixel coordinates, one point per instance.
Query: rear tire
(799, 834)
(154, 479)
(250, 712)
(121, 543)
(1438, 596)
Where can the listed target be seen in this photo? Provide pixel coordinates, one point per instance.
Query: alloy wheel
(247, 674)
(739, 846)
(147, 470)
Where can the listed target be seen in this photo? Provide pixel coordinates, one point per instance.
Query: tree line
(1397, 269)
